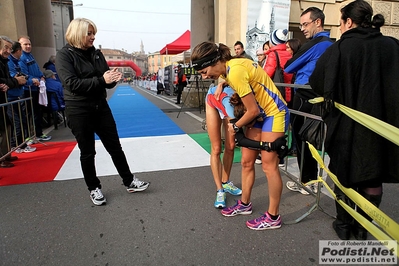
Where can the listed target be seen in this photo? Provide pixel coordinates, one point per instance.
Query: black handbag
(313, 130)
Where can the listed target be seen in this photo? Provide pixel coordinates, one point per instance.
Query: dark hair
(16, 46)
(208, 48)
(294, 44)
(361, 13)
(239, 107)
(315, 13)
(266, 43)
(239, 43)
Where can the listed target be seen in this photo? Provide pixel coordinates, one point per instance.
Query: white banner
(264, 16)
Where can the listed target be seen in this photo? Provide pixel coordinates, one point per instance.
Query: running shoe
(231, 188)
(30, 141)
(237, 209)
(97, 197)
(291, 185)
(29, 149)
(137, 185)
(264, 222)
(44, 137)
(258, 160)
(220, 201)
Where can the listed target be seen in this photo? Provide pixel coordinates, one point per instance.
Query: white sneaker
(258, 160)
(313, 187)
(19, 150)
(137, 185)
(97, 197)
(29, 149)
(291, 185)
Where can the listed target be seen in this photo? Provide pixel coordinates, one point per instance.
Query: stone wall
(389, 9)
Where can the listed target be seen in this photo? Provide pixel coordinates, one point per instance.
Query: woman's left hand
(112, 76)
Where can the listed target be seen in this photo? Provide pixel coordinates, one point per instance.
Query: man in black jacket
(181, 83)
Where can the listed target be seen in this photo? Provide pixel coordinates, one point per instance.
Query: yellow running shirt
(246, 76)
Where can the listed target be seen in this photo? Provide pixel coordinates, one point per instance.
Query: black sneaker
(97, 197)
(137, 185)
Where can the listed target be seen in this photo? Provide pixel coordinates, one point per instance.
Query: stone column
(40, 29)
(202, 30)
(230, 21)
(202, 22)
(12, 13)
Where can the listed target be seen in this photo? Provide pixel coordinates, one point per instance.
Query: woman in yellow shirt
(261, 98)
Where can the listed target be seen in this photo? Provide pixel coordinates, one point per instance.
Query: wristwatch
(235, 128)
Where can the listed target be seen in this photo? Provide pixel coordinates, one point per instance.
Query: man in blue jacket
(17, 111)
(29, 66)
(303, 63)
(6, 83)
(57, 102)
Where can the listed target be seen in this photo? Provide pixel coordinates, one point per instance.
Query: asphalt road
(172, 223)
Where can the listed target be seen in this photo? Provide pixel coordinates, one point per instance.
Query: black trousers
(309, 169)
(179, 92)
(90, 119)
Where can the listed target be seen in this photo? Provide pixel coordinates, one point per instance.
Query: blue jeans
(88, 119)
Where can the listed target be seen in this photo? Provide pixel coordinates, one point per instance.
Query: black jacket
(81, 73)
(5, 78)
(360, 71)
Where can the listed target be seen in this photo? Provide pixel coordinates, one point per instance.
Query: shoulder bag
(313, 130)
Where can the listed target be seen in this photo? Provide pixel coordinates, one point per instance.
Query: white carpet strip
(145, 154)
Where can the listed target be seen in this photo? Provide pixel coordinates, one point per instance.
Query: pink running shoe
(264, 222)
(237, 209)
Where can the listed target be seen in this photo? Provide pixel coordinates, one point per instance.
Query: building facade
(222, 21)
(157, 61)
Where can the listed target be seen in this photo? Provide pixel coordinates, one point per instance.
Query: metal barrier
(293, 177)
(17, 114)
(297, 179)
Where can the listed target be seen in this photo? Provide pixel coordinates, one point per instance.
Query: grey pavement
(172, 223)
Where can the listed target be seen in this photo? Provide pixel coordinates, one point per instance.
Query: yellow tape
(316, 100)
(380, 127)
(383, 220)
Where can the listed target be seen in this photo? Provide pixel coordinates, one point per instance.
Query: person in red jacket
(277, 45)
(278, 48)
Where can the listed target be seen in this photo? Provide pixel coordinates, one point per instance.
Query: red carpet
(39, 166)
